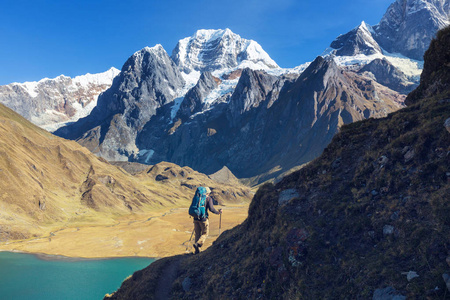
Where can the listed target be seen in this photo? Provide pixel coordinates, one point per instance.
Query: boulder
(388, 293)
(447, 124)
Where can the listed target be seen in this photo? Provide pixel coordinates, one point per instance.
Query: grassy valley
(57, 197)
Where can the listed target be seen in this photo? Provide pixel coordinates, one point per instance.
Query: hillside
(48, 183)
(368, 219)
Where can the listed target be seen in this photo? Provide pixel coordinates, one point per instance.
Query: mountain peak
(408, 26)
(365, 27)
(212, 34)
(218, 49)
(158, 48)
(358, 41)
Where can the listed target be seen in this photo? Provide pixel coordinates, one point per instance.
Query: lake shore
(153, 236)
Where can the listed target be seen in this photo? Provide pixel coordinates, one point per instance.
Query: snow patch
(175, 108)
(411, 67)
(146, 155)
(104, 78)
(30, 88)
(225, 87)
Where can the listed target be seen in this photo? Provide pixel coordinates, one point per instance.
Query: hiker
(201, 223)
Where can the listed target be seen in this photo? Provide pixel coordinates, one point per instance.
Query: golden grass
(56, 197)
(159, 234)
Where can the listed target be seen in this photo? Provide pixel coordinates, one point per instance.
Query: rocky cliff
(148, 80)
(368, 219)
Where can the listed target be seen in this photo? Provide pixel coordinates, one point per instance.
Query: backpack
(198, 205)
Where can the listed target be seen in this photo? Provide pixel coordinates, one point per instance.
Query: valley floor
(161, 234)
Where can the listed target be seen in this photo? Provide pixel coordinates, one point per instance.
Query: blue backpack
(198, 205)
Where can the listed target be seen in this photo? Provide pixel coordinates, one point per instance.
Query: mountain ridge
(51, 103)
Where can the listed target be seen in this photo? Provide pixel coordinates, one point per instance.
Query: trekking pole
(220, 223)
(192, 234)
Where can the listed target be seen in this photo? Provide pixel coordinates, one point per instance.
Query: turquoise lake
(26, 276)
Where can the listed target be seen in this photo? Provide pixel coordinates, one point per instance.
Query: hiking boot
(196, 247)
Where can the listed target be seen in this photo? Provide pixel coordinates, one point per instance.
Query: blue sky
(48, 38)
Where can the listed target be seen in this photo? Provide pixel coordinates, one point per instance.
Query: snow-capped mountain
(151, 79)
(408, 26)
(357, 41)
(51, 103)
(397, 43)
(211, 50)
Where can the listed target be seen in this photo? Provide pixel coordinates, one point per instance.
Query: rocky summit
(368, 219)
(407, 28)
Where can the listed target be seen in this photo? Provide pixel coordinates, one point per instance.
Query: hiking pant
(201, 230)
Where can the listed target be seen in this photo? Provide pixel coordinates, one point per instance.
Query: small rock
(383, 160)
(384, 190)
(409, 155)
(160, 177)
(287, 195)
(410, 275)
(388, 293)
(447, 124)
(446, 278)
(336, 163)
(405, 149)
(374, 192)
(186, 284)
(394, 216)
(388, 230)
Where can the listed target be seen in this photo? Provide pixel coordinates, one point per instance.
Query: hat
(208, 191)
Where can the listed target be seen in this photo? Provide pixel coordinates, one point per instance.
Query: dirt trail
(166, 280)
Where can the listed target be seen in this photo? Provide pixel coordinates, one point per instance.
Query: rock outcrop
(388, 75)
